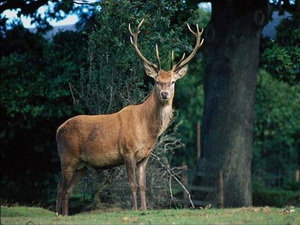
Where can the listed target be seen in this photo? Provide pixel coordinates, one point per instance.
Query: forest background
(93, 69)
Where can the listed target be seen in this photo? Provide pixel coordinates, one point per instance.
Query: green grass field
(264, 215)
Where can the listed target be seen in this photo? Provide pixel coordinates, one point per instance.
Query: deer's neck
(157, 114)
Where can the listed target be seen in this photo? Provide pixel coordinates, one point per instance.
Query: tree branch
(174, 176)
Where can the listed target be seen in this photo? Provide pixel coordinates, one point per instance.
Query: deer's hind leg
(130, 164)
(70, 177)
(59, 198)
(62, 195)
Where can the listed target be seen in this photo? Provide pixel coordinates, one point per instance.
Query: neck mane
(157, 114)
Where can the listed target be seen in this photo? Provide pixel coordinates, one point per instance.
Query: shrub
(276, 198)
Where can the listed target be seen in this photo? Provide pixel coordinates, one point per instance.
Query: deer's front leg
(142, 181)
(130, 163)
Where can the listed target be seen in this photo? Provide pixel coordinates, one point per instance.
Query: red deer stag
(126, 137)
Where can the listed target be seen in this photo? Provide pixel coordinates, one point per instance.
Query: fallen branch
(174, 176)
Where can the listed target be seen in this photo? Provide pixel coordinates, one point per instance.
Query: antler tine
(133, 40)
(172, 58)
(157, 56)
(198, 44)
(179, 62)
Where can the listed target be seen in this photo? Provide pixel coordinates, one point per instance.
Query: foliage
(276, 141)
(110, 50)
(189, 100)
(35, 99)
(259, 215)
(281, 57)
(276, 198)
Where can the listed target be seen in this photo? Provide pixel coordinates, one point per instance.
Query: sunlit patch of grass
(23, 211)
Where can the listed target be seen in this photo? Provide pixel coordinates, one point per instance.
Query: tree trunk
(231, 48)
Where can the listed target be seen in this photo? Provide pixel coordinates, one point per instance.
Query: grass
(262, 215)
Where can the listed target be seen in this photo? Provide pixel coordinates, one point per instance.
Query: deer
(125, 137)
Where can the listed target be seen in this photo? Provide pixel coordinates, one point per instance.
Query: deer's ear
(180, 73)
(150, 71)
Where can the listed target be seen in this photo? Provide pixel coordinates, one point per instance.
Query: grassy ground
(264, 215)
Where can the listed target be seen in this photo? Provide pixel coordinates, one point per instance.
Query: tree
(232, 49)
(231, 52)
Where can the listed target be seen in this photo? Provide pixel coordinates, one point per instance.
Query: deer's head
(165, 80)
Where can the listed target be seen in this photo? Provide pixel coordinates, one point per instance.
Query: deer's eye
(157, 83)
(173, 82)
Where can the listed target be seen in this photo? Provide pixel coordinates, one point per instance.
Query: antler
(133, 40)
(182, 62)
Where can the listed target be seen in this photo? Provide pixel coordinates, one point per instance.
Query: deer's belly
(102, 157)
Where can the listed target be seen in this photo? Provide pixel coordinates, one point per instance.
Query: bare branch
(174, 176)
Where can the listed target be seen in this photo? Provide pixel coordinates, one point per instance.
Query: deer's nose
(164, 95)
